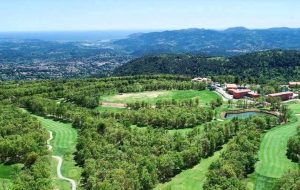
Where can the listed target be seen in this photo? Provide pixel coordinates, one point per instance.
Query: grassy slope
(191, 179)
(273, 162)
(152, 97)
(64, 143)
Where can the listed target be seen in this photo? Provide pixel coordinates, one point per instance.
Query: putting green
(191, 179)
(64, 145)
(273, 162)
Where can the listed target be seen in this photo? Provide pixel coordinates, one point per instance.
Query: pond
(242, 115)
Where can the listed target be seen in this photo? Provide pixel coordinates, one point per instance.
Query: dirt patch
(113, 105)
(138, 96)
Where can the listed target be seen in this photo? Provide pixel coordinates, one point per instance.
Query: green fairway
(64, 144)
(187, 130)
(191, 179)
(294, 106)
(110, 109)
(273, 162)
(205, 96)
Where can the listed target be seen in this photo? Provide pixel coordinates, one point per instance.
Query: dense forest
(256, 67)
(23, 141)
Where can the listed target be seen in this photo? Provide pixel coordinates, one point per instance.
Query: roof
(231, 86)
(240, 91)
(253, 93)
(294, 83)
(281, 93)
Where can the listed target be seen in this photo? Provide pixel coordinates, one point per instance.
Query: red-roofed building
(253, 95)
(294, 84)
(237, 94)
(231, 91)
(231, 86)
(282, 95)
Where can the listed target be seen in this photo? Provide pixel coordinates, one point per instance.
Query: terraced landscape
(64, 144)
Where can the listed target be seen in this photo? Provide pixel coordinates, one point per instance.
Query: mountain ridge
(231, 41)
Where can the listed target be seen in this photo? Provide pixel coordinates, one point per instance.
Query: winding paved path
(60, 160)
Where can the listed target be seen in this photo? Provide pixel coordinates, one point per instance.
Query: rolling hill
(276, 64)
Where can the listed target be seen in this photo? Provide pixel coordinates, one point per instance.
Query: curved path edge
(59, 165)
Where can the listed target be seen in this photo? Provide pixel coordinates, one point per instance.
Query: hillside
(231, 41)
(283, 65)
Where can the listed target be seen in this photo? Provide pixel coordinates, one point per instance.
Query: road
(224, 94)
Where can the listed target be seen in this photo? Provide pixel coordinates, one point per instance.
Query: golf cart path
(60, 161)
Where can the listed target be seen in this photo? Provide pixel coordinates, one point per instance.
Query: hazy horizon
(145, 29)
(93, 15)
(94, 35)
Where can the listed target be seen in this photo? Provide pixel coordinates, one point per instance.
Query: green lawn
(191, 179)
(205, 96)
(110, 109)
(185, 131)
(295, 107)
(7, 174)
(273, 162)
(64, 144)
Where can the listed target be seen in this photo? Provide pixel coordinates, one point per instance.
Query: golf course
(64, 144)
(273, 162)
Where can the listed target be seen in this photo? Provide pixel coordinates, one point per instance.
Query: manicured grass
(295, 107)
(110, 109)
(64, 144)
(185, 131)
(7, 171)
(7, 175)
(191, 179)
(205, 96)
(273, 162)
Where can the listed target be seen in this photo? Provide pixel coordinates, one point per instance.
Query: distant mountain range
(231, 41)
(202, 52)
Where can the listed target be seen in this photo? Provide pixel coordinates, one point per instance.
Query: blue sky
(58, 15)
